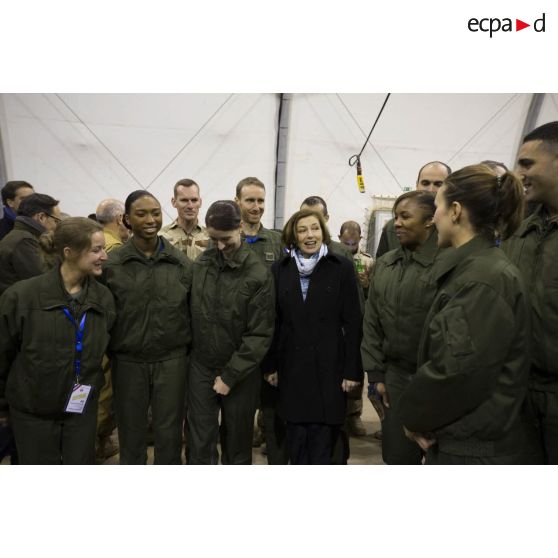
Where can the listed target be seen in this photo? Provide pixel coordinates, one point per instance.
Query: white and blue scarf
(306, 266)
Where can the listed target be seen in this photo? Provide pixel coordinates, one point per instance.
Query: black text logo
(493, 25)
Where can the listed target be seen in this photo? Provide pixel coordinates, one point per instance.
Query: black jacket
(316, 343)
(21, 256)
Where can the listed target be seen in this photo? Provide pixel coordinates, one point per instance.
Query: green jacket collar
(53, 295)
(425, 255)
(453, 258)
(129, 252)
(536, 221)
(28, 224)
(263, 234)
(212, 256)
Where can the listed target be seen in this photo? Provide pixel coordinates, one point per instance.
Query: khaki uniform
(365, 259)
(192, 245)
(111, 240)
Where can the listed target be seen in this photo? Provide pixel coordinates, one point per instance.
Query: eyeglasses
(53, 217)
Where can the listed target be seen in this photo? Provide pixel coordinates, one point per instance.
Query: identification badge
(78, 399)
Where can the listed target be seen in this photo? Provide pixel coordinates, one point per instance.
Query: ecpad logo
(494, 24)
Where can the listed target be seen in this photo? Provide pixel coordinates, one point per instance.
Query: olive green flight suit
(233, 317)
(400, 294)
(37, 352)
(534, 250)
(149, 346)
(473, 361)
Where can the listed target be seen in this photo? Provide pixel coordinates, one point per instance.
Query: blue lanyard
(79, 340)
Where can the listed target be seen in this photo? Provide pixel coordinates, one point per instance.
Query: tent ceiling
(81, 148)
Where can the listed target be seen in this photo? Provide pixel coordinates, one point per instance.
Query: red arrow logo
(519, 25)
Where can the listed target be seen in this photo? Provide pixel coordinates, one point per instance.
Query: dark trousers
(237, 418)
(274, 427)
(66, 439)
(311, 444)
(540, 419)
(138, 385)
(7, 444)
(397, 449)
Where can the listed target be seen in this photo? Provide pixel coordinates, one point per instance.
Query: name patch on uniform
(269, 257)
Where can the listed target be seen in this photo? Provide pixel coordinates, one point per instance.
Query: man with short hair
(350, 235)
(187, 235)
(21, 256)
(185, 232)
(110, 214)
(12, 194)
(266, 245)
(430, 178)
(250, 197)
(534, 250)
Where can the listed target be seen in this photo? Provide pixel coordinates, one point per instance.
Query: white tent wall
(549, 109)
(81, 148)
(326, 130)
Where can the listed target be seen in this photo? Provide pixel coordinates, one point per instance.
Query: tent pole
(3, 168)
(281, 158)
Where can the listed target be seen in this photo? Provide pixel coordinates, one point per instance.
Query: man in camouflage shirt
(184, 232)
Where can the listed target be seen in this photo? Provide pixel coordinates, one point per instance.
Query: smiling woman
(54, 330)
(398, 301)
(462, 406)
(413, 213)
(314, 360)
(151, 285)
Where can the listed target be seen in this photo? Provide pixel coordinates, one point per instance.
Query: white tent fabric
(81, 148)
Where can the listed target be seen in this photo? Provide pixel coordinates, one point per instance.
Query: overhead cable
(355, 159)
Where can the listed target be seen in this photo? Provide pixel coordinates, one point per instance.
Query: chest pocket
(456, 332)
